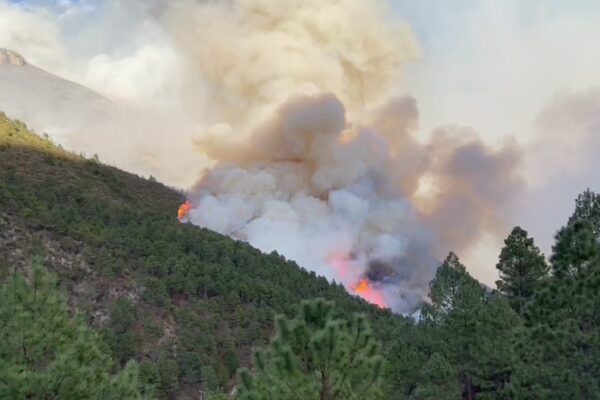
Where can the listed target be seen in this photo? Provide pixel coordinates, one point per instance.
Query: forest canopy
(103, 286)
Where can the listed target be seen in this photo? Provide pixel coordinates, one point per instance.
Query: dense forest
(105, 295)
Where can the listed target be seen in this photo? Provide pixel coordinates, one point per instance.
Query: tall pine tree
(522, 269)
(474, 332)
(559, 352)
(316, 357)
(587, 208)
(452, 292)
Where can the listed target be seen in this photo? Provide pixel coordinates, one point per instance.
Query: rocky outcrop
(12, 58)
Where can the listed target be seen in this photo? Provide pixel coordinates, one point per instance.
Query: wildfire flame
(362, 288)
(183, 211)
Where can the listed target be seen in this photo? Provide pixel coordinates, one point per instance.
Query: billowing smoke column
(332, 196)
(317, 189)
(315, 159)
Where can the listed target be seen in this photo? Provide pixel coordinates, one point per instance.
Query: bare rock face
(11, 58)
(48, 103)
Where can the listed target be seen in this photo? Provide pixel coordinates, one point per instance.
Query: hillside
(188, 306)
(46, 101)
(186, 303)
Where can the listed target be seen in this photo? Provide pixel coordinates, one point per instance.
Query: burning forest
(295, 179)
(321, 162)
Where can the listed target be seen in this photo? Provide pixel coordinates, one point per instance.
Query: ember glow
(363, 288)
(183, 211)
(340, 265)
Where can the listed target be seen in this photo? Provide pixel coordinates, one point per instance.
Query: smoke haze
(291, 122)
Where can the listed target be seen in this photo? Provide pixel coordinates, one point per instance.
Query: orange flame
(362, 287)
(183, 211)
(364, 290)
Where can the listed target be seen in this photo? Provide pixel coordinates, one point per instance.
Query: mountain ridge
(45, 101)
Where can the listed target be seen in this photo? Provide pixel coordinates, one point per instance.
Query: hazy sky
(495, 65)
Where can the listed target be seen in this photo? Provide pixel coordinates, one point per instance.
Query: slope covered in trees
(186, 303)
(181, 309)
(45, 353)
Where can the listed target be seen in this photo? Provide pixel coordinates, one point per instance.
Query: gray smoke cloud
(293, 110)
(317, 188)
(563, 160)
(315, 156)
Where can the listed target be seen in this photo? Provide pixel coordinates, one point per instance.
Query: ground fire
(363, 289)
(183, 211)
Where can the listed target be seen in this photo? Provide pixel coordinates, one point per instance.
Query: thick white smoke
(251, 55)
(313, 148)
(314, 155)
(319, 189)
(316, 189)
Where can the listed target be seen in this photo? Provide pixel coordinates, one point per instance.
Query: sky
(509, 69)
(495, 65)
(508, 55)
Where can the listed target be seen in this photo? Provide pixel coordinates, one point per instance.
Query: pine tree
(560, 351)
(438, 381)
(119, 333)
(407, 359)
(474, 332)
(46, 353)
(453, 291)
(587, 208)
(522, 269)
(576, 248)
(315, 356)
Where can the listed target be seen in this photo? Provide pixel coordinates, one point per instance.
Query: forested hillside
(187, 304)
(180, 309)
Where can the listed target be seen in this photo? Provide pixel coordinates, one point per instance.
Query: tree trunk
(470, 391)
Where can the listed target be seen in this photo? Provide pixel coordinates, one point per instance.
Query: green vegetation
(522, 268)
(46, 353)
(181, 309)
(316, 357)
(187, 304)
(470, 343)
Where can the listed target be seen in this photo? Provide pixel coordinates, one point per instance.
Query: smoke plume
(294, 109)
(563, 160)
(316, 158)
(251, 55)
